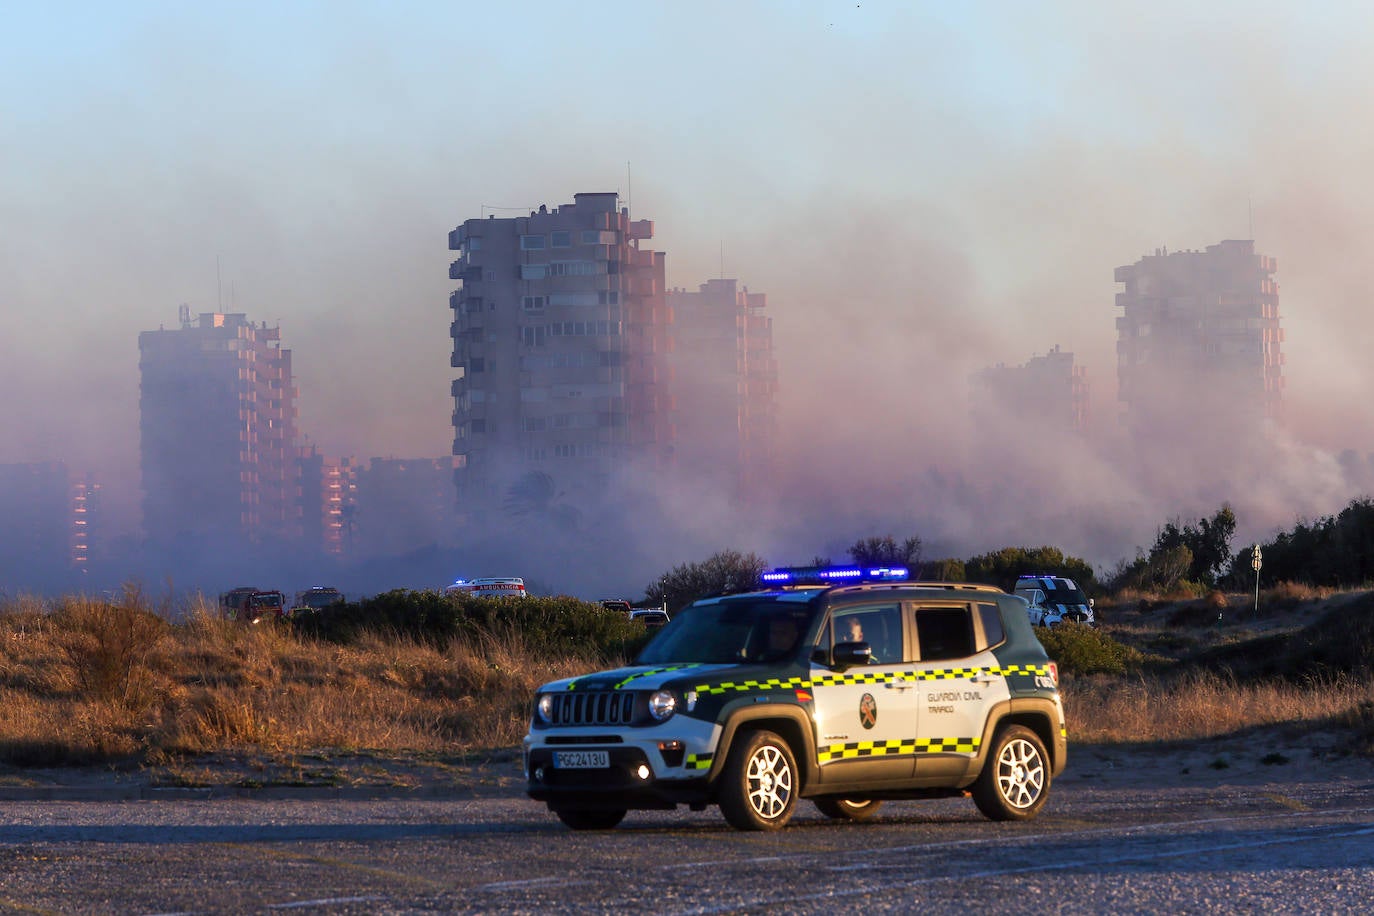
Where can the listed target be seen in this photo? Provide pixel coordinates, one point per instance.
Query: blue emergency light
(834, 575)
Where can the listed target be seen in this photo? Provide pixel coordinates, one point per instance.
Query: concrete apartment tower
(1048, 392)
(217, 420)
(560, 333)
(725, 383)
(1199, 342)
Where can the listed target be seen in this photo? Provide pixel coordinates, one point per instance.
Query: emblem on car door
(868, 711)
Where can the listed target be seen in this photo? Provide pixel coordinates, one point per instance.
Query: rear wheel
(760, 783)
(583, 819)
(1016, 776)
(849, 809)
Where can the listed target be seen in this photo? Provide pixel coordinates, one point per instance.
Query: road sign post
(1256, 561)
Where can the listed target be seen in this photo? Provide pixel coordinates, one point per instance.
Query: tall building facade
(1049, 391)
(328, 502)
(560, 332)
(725, 379)
(217, 424)
(51, 519)
(1199, 341)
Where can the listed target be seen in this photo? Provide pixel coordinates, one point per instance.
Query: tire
(759, 783)
(849, 809)
(594, 819)
(1016, 776)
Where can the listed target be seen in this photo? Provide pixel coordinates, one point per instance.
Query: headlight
(545, 708)
(662, 705)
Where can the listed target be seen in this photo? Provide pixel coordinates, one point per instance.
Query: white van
(507, 587)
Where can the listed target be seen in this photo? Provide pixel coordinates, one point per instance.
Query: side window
(878, 625)
(993, 634)
(944, 633)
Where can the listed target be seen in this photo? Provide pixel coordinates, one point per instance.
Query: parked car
(651, 617)
(848, 687)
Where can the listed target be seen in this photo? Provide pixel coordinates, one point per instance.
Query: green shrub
(1081, 649)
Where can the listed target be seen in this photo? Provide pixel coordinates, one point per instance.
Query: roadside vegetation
(1182, 651)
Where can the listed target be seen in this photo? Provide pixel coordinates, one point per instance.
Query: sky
(921, 190)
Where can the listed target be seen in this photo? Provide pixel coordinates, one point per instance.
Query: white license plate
(581, 760)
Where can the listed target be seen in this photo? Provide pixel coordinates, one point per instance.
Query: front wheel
(849, 809)
(759, 784)
(582, 819)
(1016, 776)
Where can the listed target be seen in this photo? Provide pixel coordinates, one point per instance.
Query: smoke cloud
(920, 192)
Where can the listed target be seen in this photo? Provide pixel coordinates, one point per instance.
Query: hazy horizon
(921, 192)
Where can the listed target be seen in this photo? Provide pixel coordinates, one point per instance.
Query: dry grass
(110, 682)
(88, 681)
(1114, 710)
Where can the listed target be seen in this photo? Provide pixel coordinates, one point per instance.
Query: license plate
(581, 760)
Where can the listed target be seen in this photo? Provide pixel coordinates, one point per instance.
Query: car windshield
(729, 632)
(322, 599)
(1064, 594)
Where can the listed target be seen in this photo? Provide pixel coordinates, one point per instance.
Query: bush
(1080, 649)
(552, 628)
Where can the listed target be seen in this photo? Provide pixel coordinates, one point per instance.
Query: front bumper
(648, 768)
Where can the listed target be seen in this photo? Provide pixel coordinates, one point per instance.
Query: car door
(960, 683)
(865, 715)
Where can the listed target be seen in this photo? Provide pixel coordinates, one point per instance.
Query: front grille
(601, 707)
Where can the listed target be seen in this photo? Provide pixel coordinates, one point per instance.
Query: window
(479, 426)
(944, 633)
(992, 625)
(532, 303)
(560, 239)
(477, 364)
(531, 243)
(474, 243)
(590, 236)
(533, 271)
(532, 336)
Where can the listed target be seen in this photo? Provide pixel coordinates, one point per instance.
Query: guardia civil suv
(846, 686)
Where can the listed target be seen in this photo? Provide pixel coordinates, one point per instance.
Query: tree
(721, 573)
(1209, 542)
(1002, 567)
(885, 551)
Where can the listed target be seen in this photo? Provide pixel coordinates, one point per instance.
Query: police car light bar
(834, 575)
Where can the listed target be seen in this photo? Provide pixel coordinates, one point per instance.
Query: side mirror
(849, 654)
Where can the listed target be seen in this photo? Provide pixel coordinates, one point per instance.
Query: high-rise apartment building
(1048, 392)
(559, 331)
(1198, 341)
(50, 518)
(725, 383)
(218, 428)
(328, 501)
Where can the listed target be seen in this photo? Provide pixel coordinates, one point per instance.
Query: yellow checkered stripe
(772, 683)
(865, 676)
(898, 747)
(698, 761)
